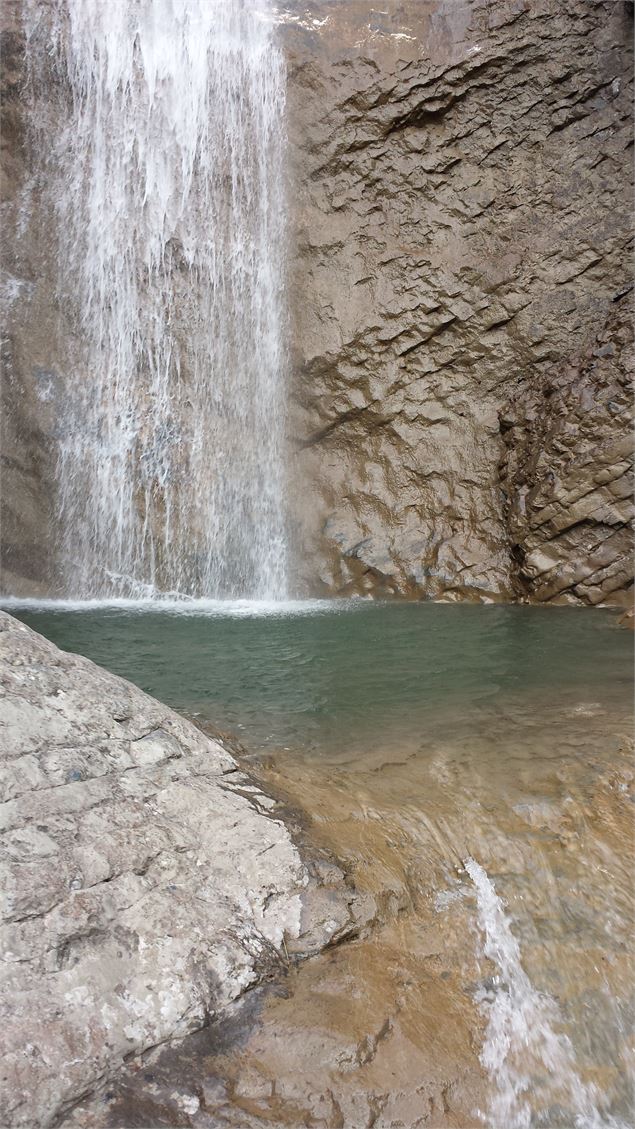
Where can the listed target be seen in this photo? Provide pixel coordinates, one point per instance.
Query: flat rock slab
(145, 883)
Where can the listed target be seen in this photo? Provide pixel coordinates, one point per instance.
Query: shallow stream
(472, 768)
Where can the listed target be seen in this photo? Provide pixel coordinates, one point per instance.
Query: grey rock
(144, 890)
(568, 473)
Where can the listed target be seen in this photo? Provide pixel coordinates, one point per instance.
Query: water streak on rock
(168, 194)
(530, 1061)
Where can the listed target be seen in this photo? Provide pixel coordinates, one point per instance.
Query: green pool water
(352, 669)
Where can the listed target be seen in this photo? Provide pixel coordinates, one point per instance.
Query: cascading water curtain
(170, 206)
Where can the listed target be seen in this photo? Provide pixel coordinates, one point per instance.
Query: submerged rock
(146, 882)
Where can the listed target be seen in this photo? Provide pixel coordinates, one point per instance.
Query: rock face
(567, 471)
(35, 388)
(463, 201)
(146, 884)
(460, 203)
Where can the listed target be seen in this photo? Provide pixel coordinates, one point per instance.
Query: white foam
(230, 609)
(529, 1058)
(168, 186)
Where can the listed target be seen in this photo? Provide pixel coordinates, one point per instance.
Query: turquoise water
(315, 679)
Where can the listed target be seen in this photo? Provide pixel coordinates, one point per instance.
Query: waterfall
(531, 1063)
(169, 203)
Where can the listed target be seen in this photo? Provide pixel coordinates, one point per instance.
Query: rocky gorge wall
(33, 387)
(462, 329)
(460, 193)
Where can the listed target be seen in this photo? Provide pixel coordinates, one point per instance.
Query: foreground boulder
(146, 885)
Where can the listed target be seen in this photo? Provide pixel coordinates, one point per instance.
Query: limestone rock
(460, 210)
(462, 205)
(568, 472)
(146, 884)
(33, 387)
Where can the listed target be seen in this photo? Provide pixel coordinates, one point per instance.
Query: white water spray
(531, 1064)
(167, 186)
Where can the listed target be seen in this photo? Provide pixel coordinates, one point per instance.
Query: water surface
(325, 674)
(472, 768)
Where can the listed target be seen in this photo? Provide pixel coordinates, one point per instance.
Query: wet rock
(145, 885)
(32, 387)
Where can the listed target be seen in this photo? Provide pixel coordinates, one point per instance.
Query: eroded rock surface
(147, 883)
(460, 216)
(463, 217)
(568, 471)
(387, 1031)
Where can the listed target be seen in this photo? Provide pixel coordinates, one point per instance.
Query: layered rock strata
(568, 471)
(460, 194)
(147, 882)
(463, 223)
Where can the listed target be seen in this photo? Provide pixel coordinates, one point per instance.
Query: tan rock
(451, 257)
(460, 194)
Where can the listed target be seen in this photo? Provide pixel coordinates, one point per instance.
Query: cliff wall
(460, 204)
(461, 173)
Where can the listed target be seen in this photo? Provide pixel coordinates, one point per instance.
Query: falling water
(531, 1063)
(170, 206)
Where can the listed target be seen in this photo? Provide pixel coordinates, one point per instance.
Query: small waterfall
(167, 185)
(531, 1064)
